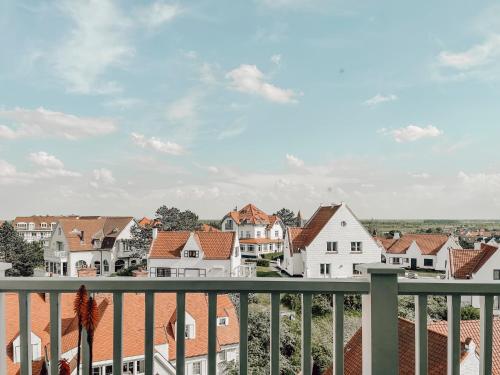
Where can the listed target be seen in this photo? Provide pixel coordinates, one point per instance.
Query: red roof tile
(429, 244)
(249, 214)
(464, 263)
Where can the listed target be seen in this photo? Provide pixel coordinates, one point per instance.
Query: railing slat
(338, 344)
(180, 365)
(486, 316)
(25, 332)
(306, 333)
(117, 333)
(149, 322)
(55, 332)
(421, 362)
(212, 333)
(454, 346)
(275, 334)
(244, 333)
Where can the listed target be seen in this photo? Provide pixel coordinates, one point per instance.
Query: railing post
(3, 355)
(380, 320)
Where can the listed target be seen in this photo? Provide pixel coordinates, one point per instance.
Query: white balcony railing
(379, 289)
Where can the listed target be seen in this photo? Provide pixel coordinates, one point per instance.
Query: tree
(287, 217)
(24, 256)
(174, 219)
(141, 240)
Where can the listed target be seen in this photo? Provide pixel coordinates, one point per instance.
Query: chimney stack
(155, 233)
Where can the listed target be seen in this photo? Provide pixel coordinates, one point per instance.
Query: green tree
(174, 219)
(287, 217)
(141, 240)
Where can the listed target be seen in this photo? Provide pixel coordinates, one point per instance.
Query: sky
(112, 107)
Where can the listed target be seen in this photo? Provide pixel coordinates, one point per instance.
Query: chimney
(155, 233)
(396, 236)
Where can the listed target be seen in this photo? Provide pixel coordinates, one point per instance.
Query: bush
(128, 271)
(469, 313)
(273, 256)
(262, 262)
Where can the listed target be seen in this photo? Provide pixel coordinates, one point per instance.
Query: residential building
(147, 222)
(164, 360)
(437, 336)
(493, 241)
(208, 228)
(36, 228)
(195, 254)
(426, 251)
(329, 245)
(258, 232)
(90, 241)
(481, 265)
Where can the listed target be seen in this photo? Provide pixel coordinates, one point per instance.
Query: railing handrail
(447, 287)
(188, 285)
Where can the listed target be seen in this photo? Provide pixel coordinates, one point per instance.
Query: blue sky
(113, 107)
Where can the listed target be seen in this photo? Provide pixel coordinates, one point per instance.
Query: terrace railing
(379, 289)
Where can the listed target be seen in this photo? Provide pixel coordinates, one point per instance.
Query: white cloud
(42, 122)
(476, 56)
(124, 103)
(159, 13)
(379, 98)
(102, 177)
(98, 41)
(249, 79)
(294, 161)
(43, 159)
(421, 175)
(276, 59)
(412, 133)
(234, 130)
(184, 108)
(157, 144)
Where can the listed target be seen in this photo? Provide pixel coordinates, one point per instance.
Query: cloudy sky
(116, 107)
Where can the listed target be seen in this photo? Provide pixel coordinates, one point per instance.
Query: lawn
(267, 272)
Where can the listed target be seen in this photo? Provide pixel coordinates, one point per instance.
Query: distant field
(407, 226)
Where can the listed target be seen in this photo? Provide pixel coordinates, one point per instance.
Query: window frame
(332, 247)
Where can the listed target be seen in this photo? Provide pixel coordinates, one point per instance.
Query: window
(97, 266)
(43, 225)
(53, 226)
(191, 253)
(248, 234)
(128, 367)
(242, 247)
(428, 262)
(197, 368)
(251, 248)
(105, 266)
(354, 270)
(81, 264)
(96, 371)
(343, 223)
(224, 321)
(276, 233)
(356, 247)
(324, 269)
(331, 246)
(108, 370)
(396, 260)
(23, 226)
(119, 265)
(189, 332)
(496, 274)
(65, 269)
(406, 260)
(164, 272)
(140, 366)
(32, 226)
(258, 234)
(229, 225)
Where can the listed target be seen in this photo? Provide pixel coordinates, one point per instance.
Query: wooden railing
(379, 289)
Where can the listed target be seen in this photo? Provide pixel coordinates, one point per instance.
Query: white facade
(316, 261)
(32, 231)
(413, 257)
(60, 260)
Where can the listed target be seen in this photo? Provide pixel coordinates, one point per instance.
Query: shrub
(273, 256)
(469, 313)
(262, 262)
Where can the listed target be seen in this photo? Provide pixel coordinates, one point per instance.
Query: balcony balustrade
(379, 288)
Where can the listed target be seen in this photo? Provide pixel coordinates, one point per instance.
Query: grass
(267, 272)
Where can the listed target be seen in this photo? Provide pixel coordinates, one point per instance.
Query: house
(437, 348)
(330, 244)
(146, 222)
(493, 241)
(258, 232)
(426, 251)
(195, 254)
(196, 347)
(208, 228)
(481, 265)
(90, 241)
(36, 228)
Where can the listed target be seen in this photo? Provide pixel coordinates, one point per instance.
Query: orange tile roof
(464, 263)
(38, 220)
(133, 322)
(302, 237)
(385, 242)
(471, 329)
(215, 245)
(429, 244)
(208, 228)
(250, 214)
(103, 228)
(437, 348)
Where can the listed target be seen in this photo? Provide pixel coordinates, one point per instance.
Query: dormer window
(22, 226)
(32, 226)
(229, 224)
(53, 226)
(43, 225)
(191, 253)
(189, 332)
(223, 321)
(343, 223)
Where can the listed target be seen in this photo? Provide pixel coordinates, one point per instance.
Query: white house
(90, 241)
(36, 228)
(481, 265)
(164, 360)
(330, 244)
(195, 254)
(493, 241)
(426, 251)
(258, 232)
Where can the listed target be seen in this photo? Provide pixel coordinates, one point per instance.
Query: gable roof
(437, 349)
(208, 228)
(301, 237)
(429, 244)
(215, 245)
(249, 214)
(464, 263)
(102, 228)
